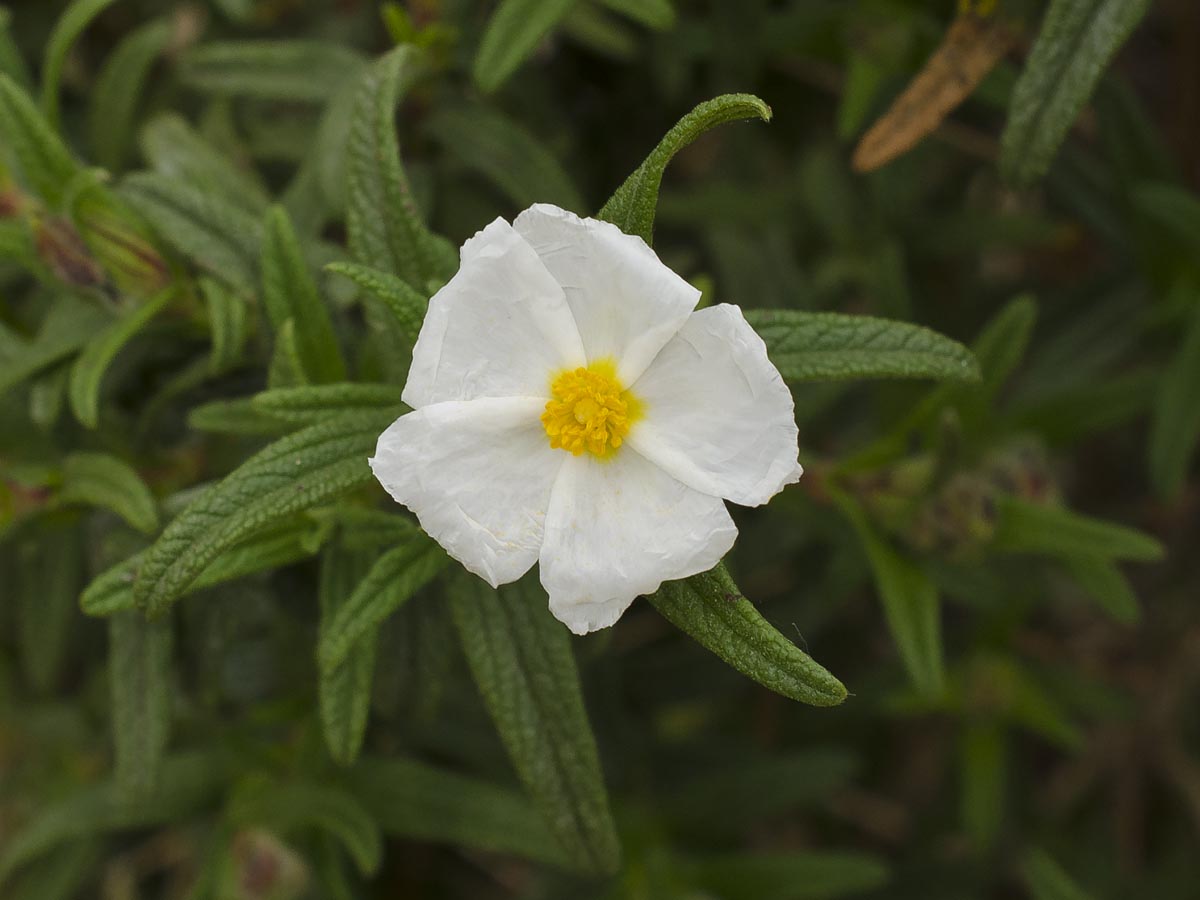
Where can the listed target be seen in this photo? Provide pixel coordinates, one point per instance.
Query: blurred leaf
(60, 875)
(710, 609)
(1105, 584)
(384, 224)
(391, 581)
(405, 305)
(292, 474)
(228, 324)
(1001, 346)
(289, 292)
(294, 70)
(910, 603)
(486, 140)
(1025, 527)
(631, 207)
(1175, 420)
(118, 88)
(174, 149)
(415, 801)
(28, 142)
(1047, 880)
(344, 690)
(100, 480)
(1076, 41)
(984, 781)
(46, 582)
(1173, 208)
(658, 14)
(314, 403)
(511, 36)
(87, 372)
(12, 63)
(188, 784)
(140, 686)
(524, 668)
(808, 346)
(287, 807)
(237, 416)
(75, 18)
(787, 876)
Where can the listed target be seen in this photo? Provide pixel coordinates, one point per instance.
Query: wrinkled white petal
(718, 415)
(498, 328)
(626, 303)
(478, 475)
(619, 528)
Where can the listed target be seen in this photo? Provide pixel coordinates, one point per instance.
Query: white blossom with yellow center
(572, 408)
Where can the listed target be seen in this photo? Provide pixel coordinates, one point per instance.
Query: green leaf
(218, 236)
(12, 63)
(189, 782)
(807, 346)
(658, 14)
(910, 603)
(1175, 421)
(1001, 346)
(289, 292)
(97, 479)
(393, 579)
(344, 690)
(384, 224)
(511, 35)
(29, 143)
(1103, 582)
(296, 70)
(237, 416)
(139, 680)
(631, 208)
(492, 144)
(415, 801)
(295, 473)
(1025, 527)
(174, 149)
(1173, 208)
(69, 26)
(711, 609)
(1076, 41)
(46, 581)
(68, 325)
(287, 807)
(786, 876)
(315, 403)
(87, 372)
(984, 781)
(228, 325)
(406, 307)
(286, 370)
(1047, 880)
(118, 88)
(524, 668)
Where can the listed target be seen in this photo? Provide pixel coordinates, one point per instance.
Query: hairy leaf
(523, 665)
(314, 403)
(406, 306)
(344, 690)
(140, 686)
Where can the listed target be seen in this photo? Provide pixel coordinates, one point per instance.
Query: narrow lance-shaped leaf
(47, 581)
(384, 224)
(511, 36)
(710, 608)
(140, 686)
(405, 306)
(28, 141)
(292, 474)
(808, 346)
(786, 876)
(1076, 41)
(392, 580)
(1047, 880)
(118, 88)
(1102, 580)
(97, 479)
(175, 149)
(344, 690)
(296, 70)
(69, 26)
(631, 208)
(228, 324)
(1175, 422)
(523, 665)
(317, 402)
(289, 292)
(1025, 527)
(87, 373)
(12, 63)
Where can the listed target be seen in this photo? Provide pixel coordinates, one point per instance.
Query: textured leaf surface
(406, 306)
(140, 686)
(295, 473)
(631, 208)
(344, 690)
(1026, 527)
(523, 665)
(511, 36)
(807, 346)
(1076, 41)
(391, 581)
(305, 71)
(710, 608)
(313, 403)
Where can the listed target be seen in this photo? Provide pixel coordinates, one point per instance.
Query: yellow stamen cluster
(589, 411)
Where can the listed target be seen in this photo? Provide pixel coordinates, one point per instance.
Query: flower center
(589, 410)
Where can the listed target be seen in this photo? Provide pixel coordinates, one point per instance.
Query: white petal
(626, 303)
(619, 528)
(718, 415)
(478, 475)
(499, 327)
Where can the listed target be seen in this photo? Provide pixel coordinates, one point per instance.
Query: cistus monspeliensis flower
(571, 408)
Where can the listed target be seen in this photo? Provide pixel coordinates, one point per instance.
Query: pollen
(589, 411)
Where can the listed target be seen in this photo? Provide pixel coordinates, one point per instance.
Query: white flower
(571, 409)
